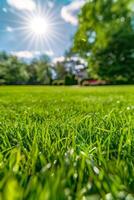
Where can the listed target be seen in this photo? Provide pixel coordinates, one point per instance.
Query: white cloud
(30, 54)
(24, 54)
(49, 53)
(69, 12)
(73, 58)
(22, 4)
(58, 59)
(9, 29)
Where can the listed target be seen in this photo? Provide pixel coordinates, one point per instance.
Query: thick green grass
(67, 143)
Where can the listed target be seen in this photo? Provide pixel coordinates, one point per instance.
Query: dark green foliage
(115, 63)
(40, 72)
(12, 71)
(70, 79)
(61, 71)
(16, 72)
(99, 35)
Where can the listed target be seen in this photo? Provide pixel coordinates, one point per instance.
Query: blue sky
(16, 14)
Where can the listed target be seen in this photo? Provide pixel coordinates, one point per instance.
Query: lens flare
(40, 29)
(39, 26)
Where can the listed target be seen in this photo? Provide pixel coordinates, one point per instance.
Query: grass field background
(67, 143)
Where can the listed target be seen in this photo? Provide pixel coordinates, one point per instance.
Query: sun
(41, 29)
(39, 26)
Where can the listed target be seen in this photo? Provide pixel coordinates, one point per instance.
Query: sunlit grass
(67, 143)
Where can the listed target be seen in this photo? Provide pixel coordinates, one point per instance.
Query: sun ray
(40, 29)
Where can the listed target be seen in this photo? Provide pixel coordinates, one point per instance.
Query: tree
(2, 73)
(16, 71)
(60, 70)
(100, 22)
(12, 70)
(66, 70)
(40, 71)
(115, 63)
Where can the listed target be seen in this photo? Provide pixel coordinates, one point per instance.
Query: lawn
(72, 143)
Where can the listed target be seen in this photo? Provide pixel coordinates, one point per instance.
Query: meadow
(59, 143)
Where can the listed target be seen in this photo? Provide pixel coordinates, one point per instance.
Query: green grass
(67, 143)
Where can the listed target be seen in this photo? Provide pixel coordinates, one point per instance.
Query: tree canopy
(14, 71)
(101, 24)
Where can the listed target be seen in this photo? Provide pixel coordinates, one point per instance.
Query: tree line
(14, 71)
(40, 71)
